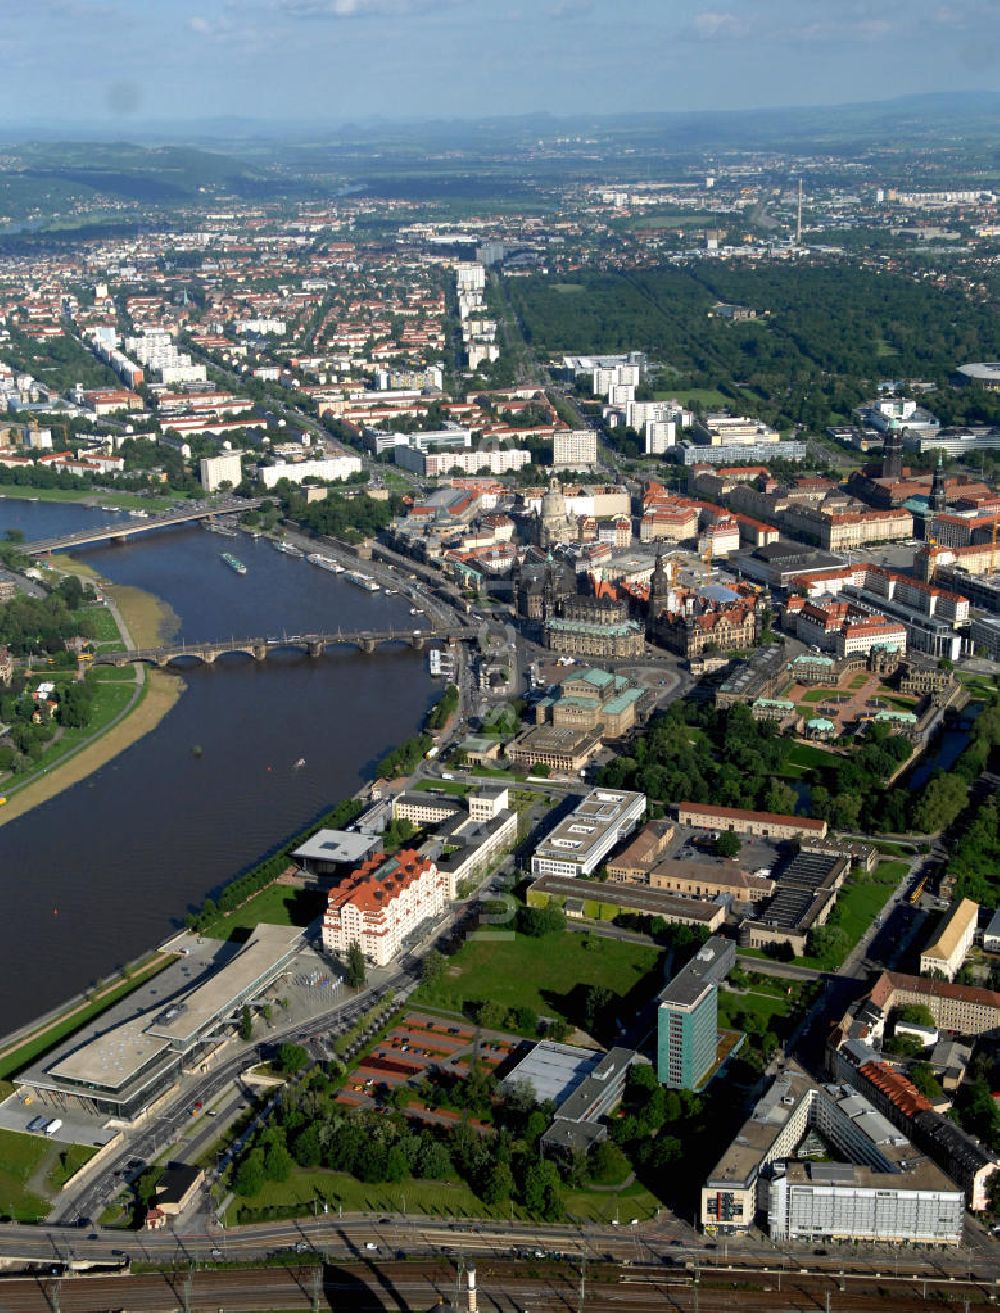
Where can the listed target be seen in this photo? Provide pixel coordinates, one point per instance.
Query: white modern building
(882, 1189)
(581, 841)
(331, 469)
(217, 470)
(574, 449)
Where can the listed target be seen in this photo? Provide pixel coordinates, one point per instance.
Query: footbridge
(314, 645)
(113, 529)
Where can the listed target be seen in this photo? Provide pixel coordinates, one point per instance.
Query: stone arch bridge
(314, 645)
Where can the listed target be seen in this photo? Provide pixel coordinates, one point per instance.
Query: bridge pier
(316, 649)
(259, 651)
(417, 642)
(368, 646)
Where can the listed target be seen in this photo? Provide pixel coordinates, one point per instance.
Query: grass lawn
(278, 904)
(101, 620)
(819, 694)
(17, 1059)
(307, 1188)
(859, 681)
(537, 973)
(859, 903)
(68, 1161)
(20, 1157)
(711, 398)
(444, 786)
(775, 1013)
(810, 757)
(111, 697)
(125, 500)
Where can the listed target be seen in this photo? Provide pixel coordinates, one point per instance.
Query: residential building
(965, 1009)
(217, 470)
(687, 1016)
(331, 469)
(382, 903)
(574, 449)
(954, 939)
(580, 842)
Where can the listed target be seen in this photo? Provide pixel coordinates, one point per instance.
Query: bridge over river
(136, 524)
(366, 640)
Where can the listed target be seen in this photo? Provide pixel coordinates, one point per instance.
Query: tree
(307, 1149)
(781, 798)
(356, 971)
(291, 1059)
(250, 1177)
(278, 1163)
(596, 1002)
(433, 967)
(540, 921)
(919, 1014)
(246, 1024)
(499, 1185)
(542, 1196)
(145, 1186)
(728, 844)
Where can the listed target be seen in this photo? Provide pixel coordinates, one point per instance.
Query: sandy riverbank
(149, 621)
(162, 691)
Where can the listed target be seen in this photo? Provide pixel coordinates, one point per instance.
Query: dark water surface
(101, 873)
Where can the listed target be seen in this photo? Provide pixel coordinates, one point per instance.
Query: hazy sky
(97, 60)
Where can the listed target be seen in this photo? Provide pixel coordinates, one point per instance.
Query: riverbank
(155, 699)
(124, 501)
(143, 621)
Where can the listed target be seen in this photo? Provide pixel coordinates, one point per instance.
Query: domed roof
(553, 502)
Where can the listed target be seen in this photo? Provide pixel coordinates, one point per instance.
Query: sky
(106, 62)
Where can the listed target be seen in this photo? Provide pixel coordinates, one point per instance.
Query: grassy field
(310, 1188)
(20, 1158)
(710, 398)
(860, 902)
(537, 973)
(126, 501)
(278, 904)
(444, 786)
(818, 694)
(17, 1059)
(66, 1163)
(774, 1011)
(810, 758)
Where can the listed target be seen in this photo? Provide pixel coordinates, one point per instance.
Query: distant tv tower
(798, 219)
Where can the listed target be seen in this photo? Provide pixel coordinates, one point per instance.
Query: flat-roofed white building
(581, 841)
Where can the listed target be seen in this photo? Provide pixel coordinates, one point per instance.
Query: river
(104, 871)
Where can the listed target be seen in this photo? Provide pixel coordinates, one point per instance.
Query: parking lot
(419, 1046)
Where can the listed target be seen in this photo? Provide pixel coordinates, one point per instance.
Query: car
(371, 1245)
(384, 1221)
(216, 1254)
(301, 1246)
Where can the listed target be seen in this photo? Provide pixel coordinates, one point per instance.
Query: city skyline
(332, 61)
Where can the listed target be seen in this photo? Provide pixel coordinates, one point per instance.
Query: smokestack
(798, 221)
(473, 1296)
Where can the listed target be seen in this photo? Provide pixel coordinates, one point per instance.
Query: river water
(104, 871)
